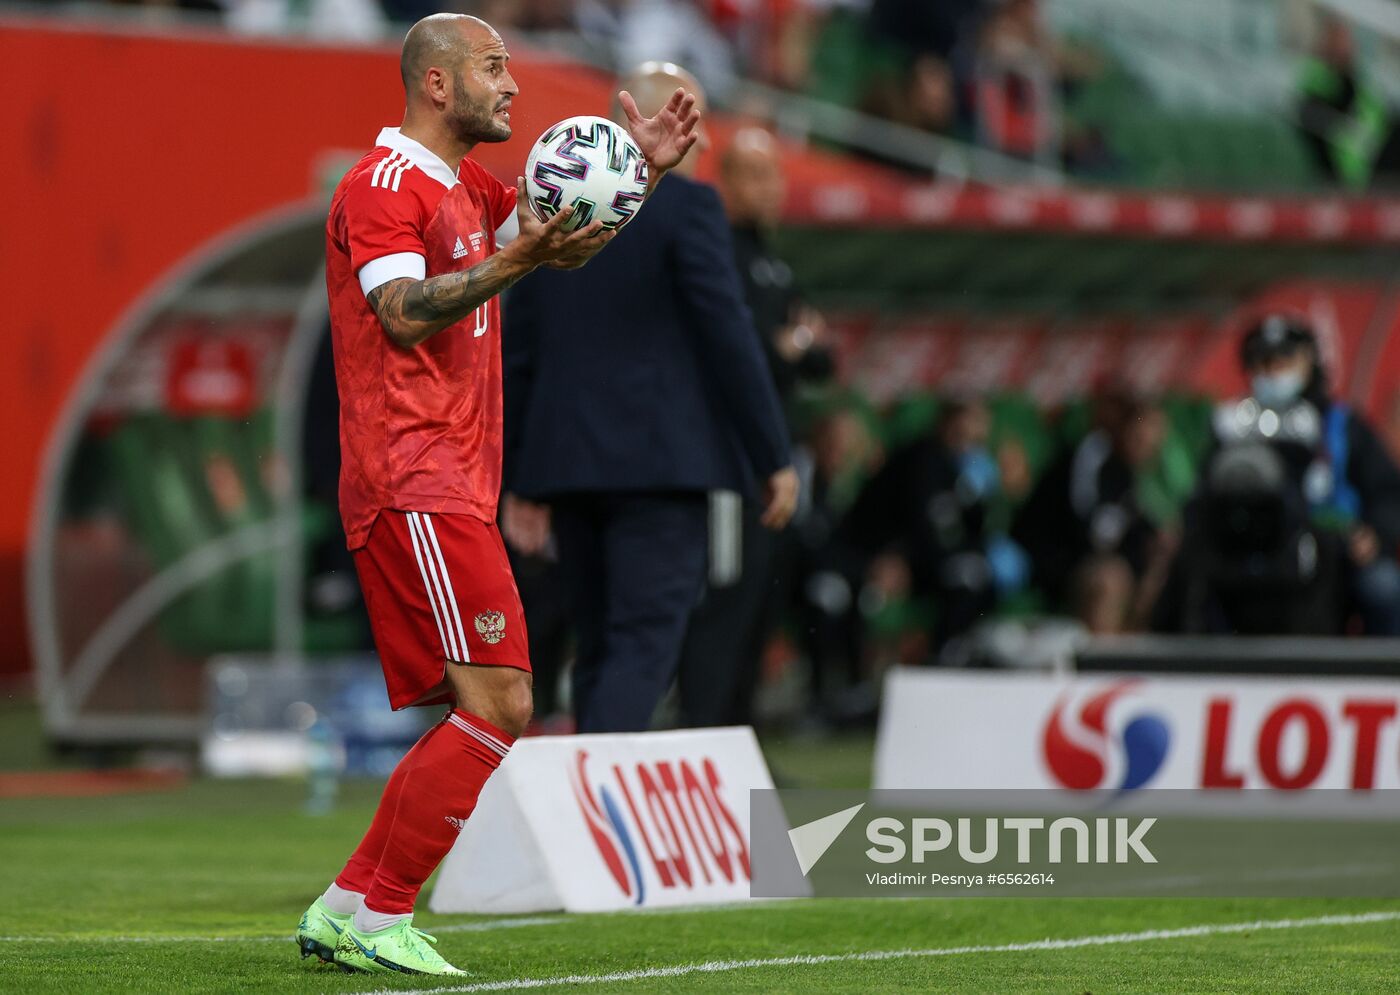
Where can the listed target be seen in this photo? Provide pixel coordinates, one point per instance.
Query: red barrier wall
(132, 151)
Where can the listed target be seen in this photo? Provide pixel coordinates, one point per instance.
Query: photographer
(1300, 516)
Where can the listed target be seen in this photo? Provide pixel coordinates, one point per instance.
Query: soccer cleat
(399, 948)
(320, 930)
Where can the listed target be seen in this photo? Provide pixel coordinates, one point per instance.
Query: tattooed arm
(413, 311)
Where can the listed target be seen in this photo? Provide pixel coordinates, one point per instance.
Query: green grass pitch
(198, 890)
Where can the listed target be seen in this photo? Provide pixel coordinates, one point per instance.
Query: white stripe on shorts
(456, 616)
(449, 647)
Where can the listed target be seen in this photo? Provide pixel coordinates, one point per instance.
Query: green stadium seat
(163, 469)
(1190, 148)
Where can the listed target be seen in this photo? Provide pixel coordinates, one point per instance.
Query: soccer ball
(591, 163)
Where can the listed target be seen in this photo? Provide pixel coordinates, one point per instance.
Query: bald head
(651, 85)
(750, 146)
(751, 178)
(456, 80)
(439, 40)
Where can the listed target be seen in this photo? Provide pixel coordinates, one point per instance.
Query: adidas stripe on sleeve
(381, 223)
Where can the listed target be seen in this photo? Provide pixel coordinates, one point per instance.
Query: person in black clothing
(631, 391)
(930, 506)
(719, 665)
(1321, 509)
(828, 571)
(752, 186)
(1351, 483)
(1093, 551)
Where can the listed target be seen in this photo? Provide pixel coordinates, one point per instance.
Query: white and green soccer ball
(589, 163)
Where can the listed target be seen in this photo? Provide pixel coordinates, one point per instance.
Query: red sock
(358, 874)
(437, 794)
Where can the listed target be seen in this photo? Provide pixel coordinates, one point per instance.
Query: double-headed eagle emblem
(491, 627)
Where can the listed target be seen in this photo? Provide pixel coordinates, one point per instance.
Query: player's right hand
(546, 243)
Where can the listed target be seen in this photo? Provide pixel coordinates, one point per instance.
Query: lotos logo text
(1080, 753)
(662, 824)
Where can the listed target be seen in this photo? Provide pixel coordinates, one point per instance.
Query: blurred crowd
(946, 529)
(983, 70)
(928, 532)
(986, 72)
(1343, 115)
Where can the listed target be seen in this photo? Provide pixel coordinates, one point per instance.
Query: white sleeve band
(378, 272)
(508, 231)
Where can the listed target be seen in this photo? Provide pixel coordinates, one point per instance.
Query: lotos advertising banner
(601, 822)
(1121, 734)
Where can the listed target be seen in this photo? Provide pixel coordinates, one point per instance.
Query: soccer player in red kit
(413, 274)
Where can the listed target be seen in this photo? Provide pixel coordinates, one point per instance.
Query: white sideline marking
(718, 966)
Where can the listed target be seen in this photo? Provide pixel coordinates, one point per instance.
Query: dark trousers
(720, 661)
(547, 619)
(633, 566)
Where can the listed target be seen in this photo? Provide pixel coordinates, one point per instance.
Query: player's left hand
(667, 137)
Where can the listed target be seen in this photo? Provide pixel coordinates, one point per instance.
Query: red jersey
(420, 429)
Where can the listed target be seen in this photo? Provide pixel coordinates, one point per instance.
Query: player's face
(483, 89)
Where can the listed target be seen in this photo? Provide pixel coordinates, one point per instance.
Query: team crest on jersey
(491, 627)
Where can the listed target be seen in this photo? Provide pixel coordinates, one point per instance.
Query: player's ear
(438, 84)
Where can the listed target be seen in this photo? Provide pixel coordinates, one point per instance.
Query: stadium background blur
(1010, 227)
(1023, 238)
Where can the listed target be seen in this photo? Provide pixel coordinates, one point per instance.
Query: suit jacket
(641, 371)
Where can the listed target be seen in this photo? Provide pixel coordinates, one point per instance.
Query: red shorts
(438, 588)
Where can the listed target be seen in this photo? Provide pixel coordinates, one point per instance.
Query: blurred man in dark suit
(719, 667)
(631, 392)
